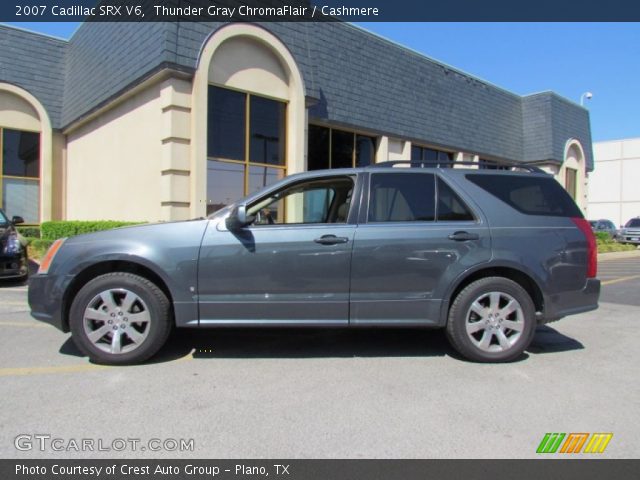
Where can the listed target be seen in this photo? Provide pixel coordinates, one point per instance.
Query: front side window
(20, 174)
(317, 201)
(402, 197)
(246, 143)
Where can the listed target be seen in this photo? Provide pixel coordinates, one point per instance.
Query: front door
(290, 266)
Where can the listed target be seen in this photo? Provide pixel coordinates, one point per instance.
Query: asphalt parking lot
(326, 394)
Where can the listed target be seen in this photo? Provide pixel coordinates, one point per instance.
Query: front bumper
(45, 300)
(13, 266)
(635, 239)
(571, 303)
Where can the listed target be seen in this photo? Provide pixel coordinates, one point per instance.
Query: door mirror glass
(238, 219)
(17, 220)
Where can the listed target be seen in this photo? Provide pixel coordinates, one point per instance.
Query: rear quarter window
(531, 195)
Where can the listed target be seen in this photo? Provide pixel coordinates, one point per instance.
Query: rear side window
(450, 207)
(400, 197)
(532, 195)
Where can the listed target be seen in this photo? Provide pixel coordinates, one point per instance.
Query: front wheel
(491, 320)
(120, 318)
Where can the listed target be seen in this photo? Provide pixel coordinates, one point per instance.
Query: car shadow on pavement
(549, 340)
(324, 343)
(308, 343)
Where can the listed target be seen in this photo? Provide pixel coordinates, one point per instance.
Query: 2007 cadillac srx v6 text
(486, 254)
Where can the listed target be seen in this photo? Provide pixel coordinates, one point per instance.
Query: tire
(120, 318)
(491, 320)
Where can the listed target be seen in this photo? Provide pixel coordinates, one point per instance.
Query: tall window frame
(355, 137)
(421, 153)
(30, 179)
(249, 165)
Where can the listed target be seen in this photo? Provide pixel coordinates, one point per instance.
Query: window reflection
(225, 184)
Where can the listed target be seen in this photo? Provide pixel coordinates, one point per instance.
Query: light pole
(587, 95)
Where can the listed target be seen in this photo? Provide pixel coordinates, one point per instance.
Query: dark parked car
(488, 255)
(630, 233)
(13, 250)
(605, 226)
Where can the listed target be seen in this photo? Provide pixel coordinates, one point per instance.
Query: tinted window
(226, 118)
(318, 156)
(450, 206)
(531, 195)
(398, 197)
(266, 131)
(3, 219)
(341, 149)
(633, 223)
(20, 153)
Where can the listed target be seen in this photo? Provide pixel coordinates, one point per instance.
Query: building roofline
(558, 96)
(33, 32)
(431, 59)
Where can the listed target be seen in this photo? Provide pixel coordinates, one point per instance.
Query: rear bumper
(45, 300)
(572, 303)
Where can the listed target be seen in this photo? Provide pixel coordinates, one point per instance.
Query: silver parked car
(487, 255)
(630, 233)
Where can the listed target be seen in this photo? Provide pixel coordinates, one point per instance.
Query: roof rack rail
(449, 163)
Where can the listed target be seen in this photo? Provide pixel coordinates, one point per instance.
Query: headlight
(51, 253)
(13, 245)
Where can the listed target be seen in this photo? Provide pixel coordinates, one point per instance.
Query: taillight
(48, 258)
(592, 249)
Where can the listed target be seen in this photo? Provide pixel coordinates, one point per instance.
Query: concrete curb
(603, 257)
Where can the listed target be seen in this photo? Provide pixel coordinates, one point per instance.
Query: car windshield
(633, 223)
(3, 219)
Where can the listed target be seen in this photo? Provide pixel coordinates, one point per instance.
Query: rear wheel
(120, 318)
(491, 320)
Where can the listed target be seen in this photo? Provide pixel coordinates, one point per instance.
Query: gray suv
(485, 254)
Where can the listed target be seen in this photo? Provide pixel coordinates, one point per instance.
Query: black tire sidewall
(156, 303)
(456, 325)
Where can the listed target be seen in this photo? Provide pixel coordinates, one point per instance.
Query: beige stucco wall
(114, 162)
(17, 113)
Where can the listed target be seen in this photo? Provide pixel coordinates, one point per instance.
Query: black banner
(320, 469)
(317, 10)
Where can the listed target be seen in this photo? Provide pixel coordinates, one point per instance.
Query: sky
(567, 58)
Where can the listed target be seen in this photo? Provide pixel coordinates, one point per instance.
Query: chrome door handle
(463, 236)
(331, 240)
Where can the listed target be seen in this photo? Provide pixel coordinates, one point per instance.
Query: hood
(141, 231)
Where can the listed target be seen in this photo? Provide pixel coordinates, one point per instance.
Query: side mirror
(238, 219)
(17, 220)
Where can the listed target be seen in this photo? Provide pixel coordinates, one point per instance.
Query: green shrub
(32, 232)
(69, 228)
(603, 237)
(37, 247)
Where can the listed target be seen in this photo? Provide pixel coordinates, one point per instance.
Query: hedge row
(38, 247)
(31, 232)
(58, 229)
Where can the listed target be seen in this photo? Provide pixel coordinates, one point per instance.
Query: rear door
(416, 237)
